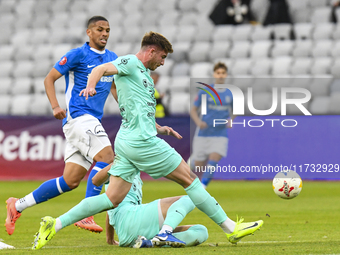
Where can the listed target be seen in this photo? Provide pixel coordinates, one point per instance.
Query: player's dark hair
(219, 65)
(153, 38)
(94, 19)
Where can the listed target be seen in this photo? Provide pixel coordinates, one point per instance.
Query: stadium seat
(281, 65)
(41, 68)
(188, 19)
(335, 86)
(298, 5)
(59, 51)
(39, 105)
(301, 16)
(180, 69)
(223, 33)
(240, 49)
(204, 34)
(122, 49)
(5, 101)
(165, 70)
(323, 31)
(335, 68)
(219, 50)
(199, 52)
(282, 31)
(243, 81)
(179, 103)
(7, 7)
(262, 83)
(317, 3)
(301, 81)
(320, 105)
(21, 85)
(133, 35)
(111, 106)
(41, 19)
(259, 9)
(242, 33)
(292, 109)
(96, 7)
(261, 33)
(334, 104)
(131, 6)
(169, 18)
(322, 48)
(280, 81)
(169, 31)
(59, 19)
(185, 33)
(42, 51)
(6, 52)
(260, 49)
(322, 65)
(57, 35)
(181, 50)
(6, 84)
(39, 36)
(242, 66)
(335, 51)
(321, 15)
(163, 84)
(6, 68)
(262, 101)
(320, 85)
(149, 6)
(261, 67)
(23, 53)
(166, 5)
(179, 84)
(201, 70)
(20, 37)
(282, 48)
(186, 5)
(301, 66)
(133, 19)
(303, 31)
(60, 86)
(23, 69)
(336, 32)
(303, 48)
(151, 19)
(204, 7)
(60, 6)
(19, 105)
(5, 31)
(23, 21)
(38, 85)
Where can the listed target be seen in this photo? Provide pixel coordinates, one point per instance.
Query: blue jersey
(217, 111)
(77, 65)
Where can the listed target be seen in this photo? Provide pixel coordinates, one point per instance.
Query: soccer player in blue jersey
(138, 148)
(210, 143)
(86, 139)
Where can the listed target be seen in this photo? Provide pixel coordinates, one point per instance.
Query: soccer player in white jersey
(138, 148)
(86, 138)
(210, 143)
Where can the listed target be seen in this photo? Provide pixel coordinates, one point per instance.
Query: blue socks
(208, 175)
(50, 189)
(91, 189)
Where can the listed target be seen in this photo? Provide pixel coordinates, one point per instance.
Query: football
(287, 184)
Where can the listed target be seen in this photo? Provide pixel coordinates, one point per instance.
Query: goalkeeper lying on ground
(135, 222)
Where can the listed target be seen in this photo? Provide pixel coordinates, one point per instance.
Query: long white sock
(25, 202)
(165, 228)
(228, 226)
(58, 225)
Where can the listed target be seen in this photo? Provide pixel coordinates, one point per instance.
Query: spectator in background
(334, 7)
(161, 110)
(278, 12)
(233, 12)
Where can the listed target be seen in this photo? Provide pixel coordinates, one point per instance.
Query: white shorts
(202, 147)
(85, 137)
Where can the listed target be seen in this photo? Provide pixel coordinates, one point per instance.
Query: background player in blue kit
(210, 143)
(86, 139)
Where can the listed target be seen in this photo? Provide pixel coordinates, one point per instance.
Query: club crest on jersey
(124, 61)
(63, 61)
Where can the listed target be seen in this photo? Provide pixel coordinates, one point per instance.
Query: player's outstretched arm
(165, 130)
(49, 81)
(95, 76)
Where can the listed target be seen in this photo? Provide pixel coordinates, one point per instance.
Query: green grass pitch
(308, 224)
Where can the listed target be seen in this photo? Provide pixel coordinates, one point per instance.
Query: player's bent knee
(202, 232)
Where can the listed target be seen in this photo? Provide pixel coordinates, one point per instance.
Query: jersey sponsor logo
(63, 61)
(124, 61)
(99, 130)
(89, 66)
(106, 79)
(145, 83)
(151, 114)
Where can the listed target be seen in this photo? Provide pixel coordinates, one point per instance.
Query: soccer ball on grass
(287, 184)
